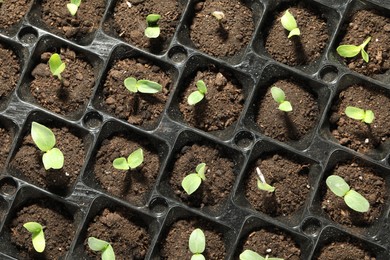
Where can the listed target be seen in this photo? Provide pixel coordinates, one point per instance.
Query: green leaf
(355, 113)
(152, 32)
(135, 158)
(365, 55)
(33, 227)
(97, 244)
(148, 87)
(368, 116)
(278, 94)
(197, 241)
(195, 97)
(337, 185)
(366, 41)
(250, 255)
(152, 18)
(120, 164)
(201, 86)
(72, 8)
(356, 201)
(191, 183)
(285, 106)
(294, 32)
(348, 51)
(265, 186)
(108, 253)
(38, 237)
(200, 169)
(53, 159)
(288, 21)
(131, 84)
(198, 257)
(42, 136)
(56, 65)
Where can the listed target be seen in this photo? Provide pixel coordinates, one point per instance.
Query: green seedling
(197, 96)
(45, 140)
(279, 96)
(56, 65)
(352, 198)
(143, 86)
(349, 51)
(261, 183)
(152, 30)
(38, 237)
(104, 247)
(218, 15)
(366, 116)
(193, 180)
(290, 24)
(251, 255)
(134, 160)
(73, 6)
(197, 244)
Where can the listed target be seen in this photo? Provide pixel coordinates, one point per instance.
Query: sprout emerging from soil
(143, 86)
(192, 181)
(38, 237)
(197, 244)
(197, 96)
(134, 160)
(102, 246)
(218, 15)
(353, 199)
(349, 51)
(251, 255)
(366, 116)
(289, 23)
(73, 6)
(152, 30)
(56, 65)
(45, 140)
(261, 183)
(279, 96)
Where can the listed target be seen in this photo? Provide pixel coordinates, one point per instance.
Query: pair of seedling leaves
(192, 181)
(197, 244)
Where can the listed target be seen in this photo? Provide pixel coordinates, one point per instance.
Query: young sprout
(366, 116)
(142, 85)
(349, 51)
(192, 181)
(289, 23)
(38, 237)
(279, 96)
(152, 30)
(352, 198)
(196, 96)
(45, 140)
(73, 6)
(102, 246)
(133, 161)
(56, 65)
(251, 255)
(218, 15)
(197, 244)
(261, 183)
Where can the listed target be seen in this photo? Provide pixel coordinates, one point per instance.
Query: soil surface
(285, 126)
(129, 22)
(227, 36)
(86, 21)
(28, 162)
(220, 177)
(5, 145)
(59, 230)
(175, 244)
(297, 50)
(128, 239)
(136, 108)
(9, 71)
(353, 133)
(364, 180)
(12, 11)
(132, 185)
(221, 105)
(291, 183)
(69, 96)
(344, 251)
(364, 24)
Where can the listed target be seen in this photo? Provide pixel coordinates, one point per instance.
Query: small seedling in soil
(289, 23)
(279, 96)
(152, 30)
(366, 116)
(56, 65)
(261, 183)
(349, 51)
(73, 6)
(197, 96)
(102, 246)
(45, 140)
(38, 237)
(353, 199)
(134, 160)
(218, 15)
(143, 86)
(251, 255)
(192, 181)
(197, 244)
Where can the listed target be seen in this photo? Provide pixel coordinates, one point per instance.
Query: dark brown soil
(59, 231)
(133, 185)
(344, 251)
(353, 133)
(297, 50)
(12, 11)
(128, 239)
(5, 145)
(28, 162)
(365, 23)
(220, 107)
(224, 38)
(290, 180)
(70, 96)
(175, 244)
(9, 71)
(364, 180)
(219, 175)
(136, 108)
(86, 21)
(285, 126)
(129, 22)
